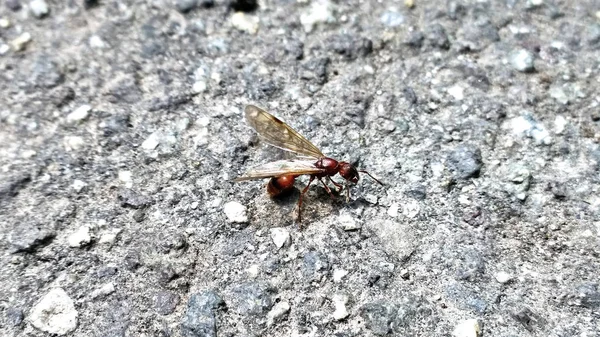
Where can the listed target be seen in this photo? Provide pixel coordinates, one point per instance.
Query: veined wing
(281, 168)
(279, 134)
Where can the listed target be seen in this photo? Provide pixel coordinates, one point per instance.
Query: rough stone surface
(126, 117)
(54, 313)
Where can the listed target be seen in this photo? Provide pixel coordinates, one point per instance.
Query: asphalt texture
(121, 129)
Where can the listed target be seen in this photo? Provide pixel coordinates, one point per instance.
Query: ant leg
(347, 193)
(300, 199)
(327, 188)
(339, 186)
(380, 183)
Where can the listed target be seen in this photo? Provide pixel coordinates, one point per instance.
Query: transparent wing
(281, 168)
(278, 134)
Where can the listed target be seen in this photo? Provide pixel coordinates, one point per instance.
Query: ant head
(348, 172)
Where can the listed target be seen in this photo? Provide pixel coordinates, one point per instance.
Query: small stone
(392, 18)
(109, 236)
(29, 237)
(409, 3)
(467, 328)
(4, 48)
(184, 6)
(152, 141)
(339, 302)
(74, 143)
(503, 277)
(80, 238)
(280, 237)
(14, 316)
(559, 124)
(125, 177)
(166, 302)
(4, 23)
(21, 41)
(522, 60)
(96, 42)
(558, 93)
(253, 271)
(319, 12)
(235, 212)
(79, 114)
(437, 36)
(54, 313)
(457, 92)
(200, 317)
(39, 8)
(279, 311)
(245, 22)
(348, 222)
(199, 87)
(13, 5)
(251, 298)
(78, 185)
(393, 210)
(104, 291)
(338, 275)
(465, 161)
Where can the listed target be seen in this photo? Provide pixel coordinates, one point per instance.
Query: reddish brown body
(280, 185)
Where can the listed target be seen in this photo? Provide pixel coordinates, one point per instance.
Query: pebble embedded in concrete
(54, 313)
(235, 212)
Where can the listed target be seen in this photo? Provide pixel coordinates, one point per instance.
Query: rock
(152, 141)
(348, 222)
(586, 295)
(54, 313)
(315, 70)
(529, 319)
(4, 48)
(79, 114)
(166, 302)
(378, 317)
(527, 126)
(104, 291)
(109, 236)
(13, 5)
(132, 260)
(338, 275)
(235, 212)
(78, 185)
(503, 277)
(457, 92)
(316, 265)
(46, 72)
(80, 238)
(280, 237)
(437, 36)
(251, 298)
(558, 93)
(14, 316)
(39, 8)
(130, 198)
(245, 22)
(199, 87)
(4, 23)
(184, 6)
(559, 124)
(415, 40)
(522, 60)
(10, 187)
(29, 237)
(277, 313)
(339, 302)
(320, 11)
(467, 328)
(200, 316)
(21, 41)
(392, 18)
(96, 42)
(351, 47)
(466, 298)
(465, 161)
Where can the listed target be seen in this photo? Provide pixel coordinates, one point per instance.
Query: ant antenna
(369, 174)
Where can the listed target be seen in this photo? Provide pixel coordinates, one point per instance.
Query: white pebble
(319, 12)
(80, 237)
(245, 22)
(503, 277)
(348, 222)
(4, 23)
(39, 8)
(457, 92)
(393, 210)
(55, 313)
(4, 48)
(199, 87)
(96, 42)
(467, 328)
(151, 142)
(106, 289)
(339, 302)
(109, 236)
(125, 177)
(559, 124)
(235, 212)
(279, 310)
(78, 185)
(74, 143)
(280, 237)
(21, 41)
(79, 114)
(338, 275)
(253, 271)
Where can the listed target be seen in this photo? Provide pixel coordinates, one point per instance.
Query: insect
(312, 161)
